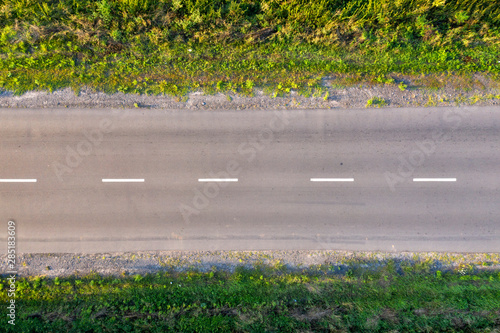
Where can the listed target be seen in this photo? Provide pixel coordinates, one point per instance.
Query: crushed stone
(151, 262)
(348, 97)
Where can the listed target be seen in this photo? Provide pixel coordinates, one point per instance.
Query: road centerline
(122, 180)
(18, 180)
(201, 180)
(332, 179)
(434, 179)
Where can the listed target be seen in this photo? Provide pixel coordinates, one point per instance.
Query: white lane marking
(123, 180)
(17, 180)
(218, 179)
(434, 179)
(332, 179)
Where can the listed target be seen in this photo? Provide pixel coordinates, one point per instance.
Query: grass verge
(176, 46)
(402, 297)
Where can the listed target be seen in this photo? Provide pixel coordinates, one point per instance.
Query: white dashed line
(17, 180)
(141, 180)
(123, 180)
(332, 179)
(434, 179)
(218, 179)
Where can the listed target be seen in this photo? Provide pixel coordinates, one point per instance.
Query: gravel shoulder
(485, 93)
(150, 262)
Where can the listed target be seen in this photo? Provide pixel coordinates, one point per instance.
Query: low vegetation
(376, 102)
(176, 46)
(397, 297)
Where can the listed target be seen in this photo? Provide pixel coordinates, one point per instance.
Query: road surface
(106, 180)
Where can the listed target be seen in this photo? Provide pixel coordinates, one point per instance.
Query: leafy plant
(104, 11)
(376, 102)
(461, 17)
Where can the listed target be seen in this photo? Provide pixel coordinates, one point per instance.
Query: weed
(376, 102)
(327, 95)
(431, 102)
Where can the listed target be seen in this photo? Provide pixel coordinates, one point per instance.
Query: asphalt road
(128, 180)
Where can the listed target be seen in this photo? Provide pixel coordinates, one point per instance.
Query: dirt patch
(311, 314)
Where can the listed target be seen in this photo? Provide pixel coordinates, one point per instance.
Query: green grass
(396, 297)
(176, 46)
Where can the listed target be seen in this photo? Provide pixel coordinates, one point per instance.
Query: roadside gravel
(337, 262)
(347, 97)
